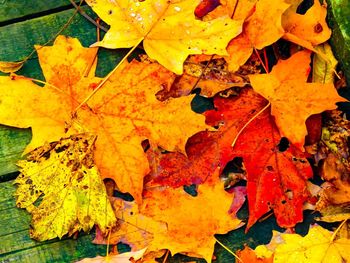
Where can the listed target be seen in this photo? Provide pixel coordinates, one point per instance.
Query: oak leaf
(122, 114)
(62, 175)
(277, 174)
(293, 100)
(169, 29)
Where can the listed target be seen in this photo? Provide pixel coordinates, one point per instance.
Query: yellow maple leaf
(316, 247)
(122, 114)
(169, 29)
(292, 99)
(62, 175)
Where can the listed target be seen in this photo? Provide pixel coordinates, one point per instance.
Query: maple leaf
(127, 257)
(317, 246)
(292, 99)
(262, 28)
(169, 29)
(73, 195)
(276, 177)
(207, 151)
(309, 29)
(249, 255)
(122, 114)
(209, 79)
(172, 219)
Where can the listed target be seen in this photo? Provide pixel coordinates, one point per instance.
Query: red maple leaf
(277, 172)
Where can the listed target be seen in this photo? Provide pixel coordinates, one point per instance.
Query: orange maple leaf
(309, 29)
(248, 255)
(260, 29)
(172, 219)
(293, 100)
(122, 114)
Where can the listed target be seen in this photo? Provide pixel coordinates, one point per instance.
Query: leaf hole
(283, 144)
(304, 6)
(269, 168)
(191, 189)
(124, 196)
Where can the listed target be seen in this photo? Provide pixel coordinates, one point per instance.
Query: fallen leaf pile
(135, 131)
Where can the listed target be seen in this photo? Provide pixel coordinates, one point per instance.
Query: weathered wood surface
(14, 10)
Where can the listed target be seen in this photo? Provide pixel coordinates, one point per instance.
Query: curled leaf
(10, 67)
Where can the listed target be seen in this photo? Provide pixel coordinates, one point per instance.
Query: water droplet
(132, 14)
(139, 17)
(177, 8)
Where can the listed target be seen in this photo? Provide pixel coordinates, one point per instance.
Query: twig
(262, 63)
(82, 12)
(229, 250)
(166, 256)
(337, 230)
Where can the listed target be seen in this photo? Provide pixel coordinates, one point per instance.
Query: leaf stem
(262, 63)
(337, 230)
(91, 20)
(248, 122)
(105, 79)
(229, 250)
(166, 256)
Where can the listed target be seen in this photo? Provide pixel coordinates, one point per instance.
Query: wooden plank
(24, 35)
(12, 143)
(17, 40)
(18, 9)
(17, 246)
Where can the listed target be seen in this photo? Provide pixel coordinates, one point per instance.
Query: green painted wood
(12, 143)
(15, 9)
(24, 35)
(17, 246)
